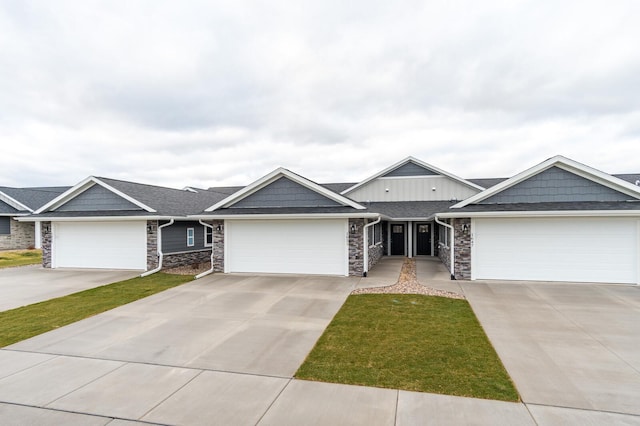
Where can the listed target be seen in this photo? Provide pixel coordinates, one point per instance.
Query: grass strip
(13, 258)
(409, 342)
(28, 321)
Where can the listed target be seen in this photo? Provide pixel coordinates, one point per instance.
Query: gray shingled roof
(34, 197)
(560, 206)
(285, 210)
(487, 182)
(409, 209)
(97, 213)
(168, 201)
(337, 187)
(7, 210)
(629, 177)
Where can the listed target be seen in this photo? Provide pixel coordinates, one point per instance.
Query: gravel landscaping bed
(408, 284)
(196, 269)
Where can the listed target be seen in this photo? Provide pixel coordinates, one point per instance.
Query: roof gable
(13, 203)
(275, 195)
(557, 179)
(6, 208)
(283, 192)
(410, 165)
(97, 198)
(80, 188)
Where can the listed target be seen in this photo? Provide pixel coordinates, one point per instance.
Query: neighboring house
(16, 202)
(558, 221)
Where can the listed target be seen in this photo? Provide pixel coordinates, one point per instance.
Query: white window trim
(444, 244)
(206, 231)
(373, 231)
(191, 231)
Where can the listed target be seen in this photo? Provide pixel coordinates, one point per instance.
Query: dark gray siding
(5, 225)
(285, 193)
(556, 185)
(174, 237)
(97, 198)
(410, 169)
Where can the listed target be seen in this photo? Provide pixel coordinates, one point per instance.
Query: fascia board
(83, 186)
(274, 175)
(13, 202)
(91, 218)
(405, 161)
(288, 216)
(548, 213)
(564, 163)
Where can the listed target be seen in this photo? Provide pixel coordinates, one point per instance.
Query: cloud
(220, 93)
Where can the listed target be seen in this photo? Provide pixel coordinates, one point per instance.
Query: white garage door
(287, 246)
(108, 245)
(568, 249)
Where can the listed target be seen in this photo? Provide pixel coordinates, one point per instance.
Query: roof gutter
(547, 213)
(365, 242)
(452, 263)
(88, 218)
(287, 216)
(210, 271)
(160, 254)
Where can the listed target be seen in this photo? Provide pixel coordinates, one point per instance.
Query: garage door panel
(568, 249)
(287, 246)
(102, 245)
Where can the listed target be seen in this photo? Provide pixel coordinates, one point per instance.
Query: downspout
(365, 267)
(160, 254)
(452, 262)
(202, 274)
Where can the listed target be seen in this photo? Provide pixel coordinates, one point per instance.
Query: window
(191, 240)
(375, 234)
(443, 235)
(208, 236)
(5, 225)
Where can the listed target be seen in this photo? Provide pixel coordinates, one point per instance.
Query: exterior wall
(556, 185)
(97, 198)
(22, 235)
(186, 259)
(462, 267)
(152, 244)
(45, 229)
(410, 169)
(412, 189)
(356, 254)
(174, 237)
(285, 193)
(375, 254)
(218, 245)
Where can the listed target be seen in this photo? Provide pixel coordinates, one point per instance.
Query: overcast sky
(223, 92)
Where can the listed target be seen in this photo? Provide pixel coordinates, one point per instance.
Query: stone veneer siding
(462, 267)
(375, 254)
(356, 253)
(218, 245)
(152, 244)
(45, 229)
(22, 236)
(173, 260)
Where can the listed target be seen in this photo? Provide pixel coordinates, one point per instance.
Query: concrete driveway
(565, 345)
(31, 284)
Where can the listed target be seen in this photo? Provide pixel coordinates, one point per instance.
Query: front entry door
(423, 239)
(397, 239)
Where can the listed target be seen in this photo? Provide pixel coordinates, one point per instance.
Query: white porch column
(409, 239)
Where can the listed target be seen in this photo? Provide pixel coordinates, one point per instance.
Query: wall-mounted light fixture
(465, 228)
(150, 228)
(219, 228)
(353, 228)
(433, 189)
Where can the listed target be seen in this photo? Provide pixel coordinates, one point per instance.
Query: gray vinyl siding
(97, 198)
(5, 225)
(174, 237)
(285, 193)
(410, 169)
(556, 185)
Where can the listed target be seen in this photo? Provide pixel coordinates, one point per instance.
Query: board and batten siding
(412, 189)
(174, 237)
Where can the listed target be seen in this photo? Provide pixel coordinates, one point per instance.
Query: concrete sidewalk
(48, 389)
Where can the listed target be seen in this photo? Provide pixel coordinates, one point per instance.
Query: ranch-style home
(557, 221)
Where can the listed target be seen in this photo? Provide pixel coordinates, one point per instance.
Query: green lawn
(409, 342)
(28, 321)
(20, 258)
